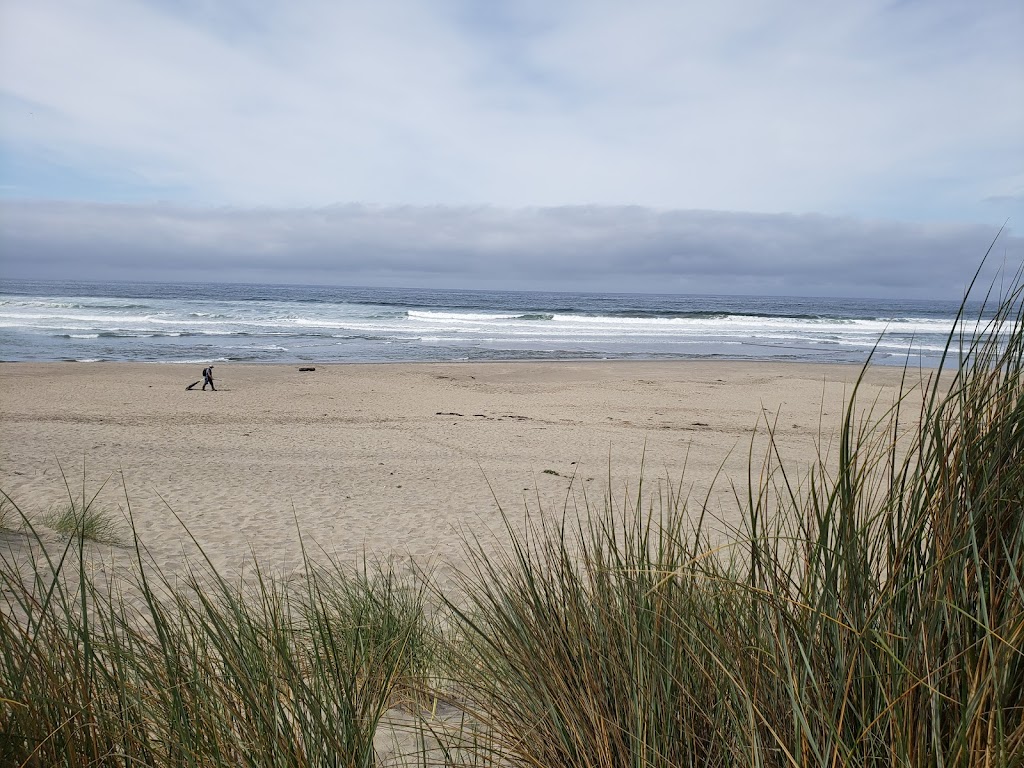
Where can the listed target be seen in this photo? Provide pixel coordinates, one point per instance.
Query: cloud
(904, 110)
(599, 248)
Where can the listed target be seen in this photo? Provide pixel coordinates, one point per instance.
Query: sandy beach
(393, 460)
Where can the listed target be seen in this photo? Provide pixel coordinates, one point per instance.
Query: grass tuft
(88, 521)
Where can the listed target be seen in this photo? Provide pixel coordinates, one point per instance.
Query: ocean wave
(390, 315)
(477, 317)
(112, 335)
(193, 361)
(360, 337)
(41, 303)
(460, 317)
(262, 348)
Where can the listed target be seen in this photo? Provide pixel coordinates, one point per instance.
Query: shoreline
(510, 361)
(399, 459)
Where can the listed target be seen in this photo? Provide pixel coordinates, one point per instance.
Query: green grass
(7, 512)
(205, 672)
(868, 612)
(871, 613)
(88, 521)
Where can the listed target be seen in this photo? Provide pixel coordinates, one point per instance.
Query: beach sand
(396, 460)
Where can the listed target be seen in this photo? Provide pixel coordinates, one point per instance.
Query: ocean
(201, 323)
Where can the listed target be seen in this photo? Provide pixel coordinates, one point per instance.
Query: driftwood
(192, 384)
(307, 369)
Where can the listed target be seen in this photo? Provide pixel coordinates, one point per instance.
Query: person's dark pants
(210, 382)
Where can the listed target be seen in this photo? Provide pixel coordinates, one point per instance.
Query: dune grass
(201, 671)
(87, 520)
(6, 512)
(868, 612)
(872, 614)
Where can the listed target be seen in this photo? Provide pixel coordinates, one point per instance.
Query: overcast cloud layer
(869, 108)
(454, 133)
(584, 248)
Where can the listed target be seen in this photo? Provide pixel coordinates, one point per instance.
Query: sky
(866, 148)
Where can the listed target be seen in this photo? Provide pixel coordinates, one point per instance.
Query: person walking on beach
(208, 378)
